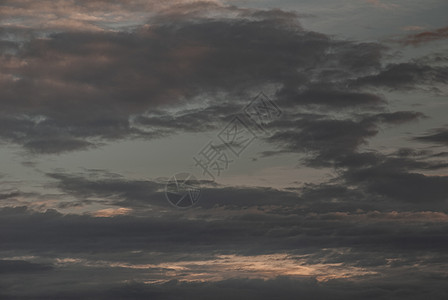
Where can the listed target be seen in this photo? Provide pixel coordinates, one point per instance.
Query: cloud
(111, 190)
(327, 231)
(238, 288)
(111, 212)
(331, 140)
(402, 76)
(426, 37)
(4, 196)
(80, 15)
(403, 186)
(86, 85)
(439, 136)
(88, 76)
(75, 90)
(21, 266)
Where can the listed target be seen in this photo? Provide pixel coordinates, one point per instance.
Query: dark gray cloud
(438, 136)
(116, 191)
(266, 231)
(404, 186)
(286, 288)
(142, 194)
(21, 266)
(397, 240)
(329, 95)
(409, 75)
(331, 140)
(9, 195)
(65, 91)
(225, 216)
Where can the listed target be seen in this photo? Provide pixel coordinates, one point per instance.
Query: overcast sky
(315, 133)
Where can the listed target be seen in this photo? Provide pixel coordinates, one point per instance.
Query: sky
(223, 149)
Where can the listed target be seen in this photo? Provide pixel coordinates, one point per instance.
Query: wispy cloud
(426, 37)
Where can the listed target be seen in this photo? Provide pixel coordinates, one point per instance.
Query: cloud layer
(77, 75)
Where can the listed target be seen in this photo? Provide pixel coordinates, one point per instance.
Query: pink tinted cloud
(426, 36)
